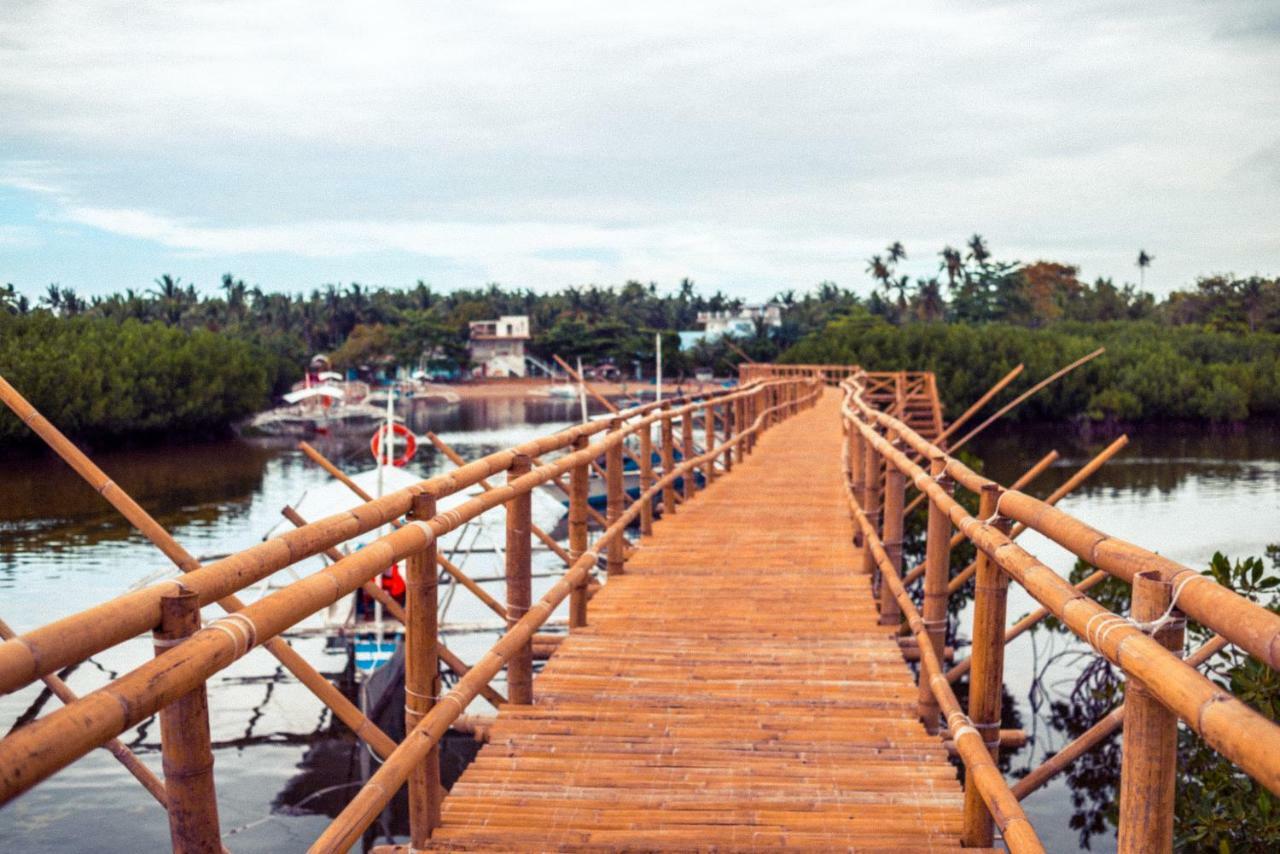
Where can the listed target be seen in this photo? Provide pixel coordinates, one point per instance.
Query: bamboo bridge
(737, 672)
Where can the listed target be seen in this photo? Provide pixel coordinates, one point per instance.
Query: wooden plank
(733, 690)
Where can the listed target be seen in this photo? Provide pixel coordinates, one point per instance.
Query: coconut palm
(1144, 261)
(878, 269)
(952, 263)
(978, 250)
(896, 252)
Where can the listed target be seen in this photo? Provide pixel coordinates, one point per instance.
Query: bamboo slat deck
(733, 691)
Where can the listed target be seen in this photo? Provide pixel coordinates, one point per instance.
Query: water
(1181, 491)
(281, 764)
(283, 767)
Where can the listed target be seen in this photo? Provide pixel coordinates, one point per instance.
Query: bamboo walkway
(733, 691)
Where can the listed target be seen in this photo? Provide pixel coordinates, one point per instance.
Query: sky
(751, 147)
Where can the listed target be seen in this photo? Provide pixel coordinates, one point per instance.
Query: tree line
(1206, 351)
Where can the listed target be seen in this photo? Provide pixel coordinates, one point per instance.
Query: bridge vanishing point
(735, 675)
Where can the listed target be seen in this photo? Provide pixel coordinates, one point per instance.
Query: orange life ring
(410, 444)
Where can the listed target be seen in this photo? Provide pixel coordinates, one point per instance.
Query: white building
(740, 323)
(496, 347)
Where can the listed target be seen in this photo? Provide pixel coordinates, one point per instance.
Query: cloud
(1081, 130)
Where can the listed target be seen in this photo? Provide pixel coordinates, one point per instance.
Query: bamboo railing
(881, 454)
(172, 683)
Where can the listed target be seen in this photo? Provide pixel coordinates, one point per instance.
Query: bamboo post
(579, 492)
(519, 584)
(143, 521)
(895, 484)
(1099, 732)
(709, 431)
(616, 498)
(858, 474)
(185, 745)
(422, 675)
(726, 422)
(396, 610)
(871, 507)
(668, 461)
(686, 451)
(738, 419)
(1149, 759)
(937, 564)
(986, 686)
(646, 479)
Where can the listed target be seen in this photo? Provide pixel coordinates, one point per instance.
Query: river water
(283, 767)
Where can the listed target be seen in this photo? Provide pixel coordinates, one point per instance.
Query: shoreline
(538, 387)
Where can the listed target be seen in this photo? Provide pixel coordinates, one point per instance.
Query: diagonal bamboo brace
(185, 561)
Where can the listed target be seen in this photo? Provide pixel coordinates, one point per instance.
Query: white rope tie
(1110, 622)
(996, 514)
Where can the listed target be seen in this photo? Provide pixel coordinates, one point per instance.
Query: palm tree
(928, 299)
(952, 263)
(896, 252)
(1144, 261)
(878, 269)
(978, 249)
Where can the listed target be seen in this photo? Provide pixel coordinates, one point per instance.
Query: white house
(496, 347)
(740, 323)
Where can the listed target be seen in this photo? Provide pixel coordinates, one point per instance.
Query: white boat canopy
(314, 391)
(330, 375)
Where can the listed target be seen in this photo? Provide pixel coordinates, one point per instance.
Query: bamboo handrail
(41, 748)
(74, 638)
(143, 521)
(1099, 732)
(1023, 479)
(1004, 807)
(395, 609)
(1226, 724)
(373, 797)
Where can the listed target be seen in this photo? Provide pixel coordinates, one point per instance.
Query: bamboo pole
(115, 747)
(616, 499)
(185, 561)
(1016, 829)
(454, 571)
(1229, 726)
(579, 487)
(422, 676)
(668, 461)
(1026, 623)
(1099, 732)
(728, 420)
(686, 452)
(345, 830)
(894, 490)
(1149, 759)
(937, 564)
(457, 460)
(396, 610)
(1071, 485)
(709, 440)
(978, 404)
(871, 497)
(961, 577)
(599, 398)
(987, 685)
(185, 746)
(646, 479)
(520, 584)
(38, 750)
(1017, 401)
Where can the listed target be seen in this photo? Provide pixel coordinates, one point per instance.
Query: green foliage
(1219, 808)
(95, 378)
(1150, 370)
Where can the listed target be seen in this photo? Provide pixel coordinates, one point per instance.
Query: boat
(318, 410)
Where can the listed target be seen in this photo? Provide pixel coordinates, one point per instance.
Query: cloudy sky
(752, 147)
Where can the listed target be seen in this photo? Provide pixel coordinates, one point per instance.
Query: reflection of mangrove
(169, 477)
(46, 694)
(1158, 460)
